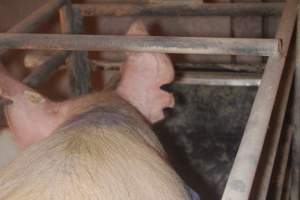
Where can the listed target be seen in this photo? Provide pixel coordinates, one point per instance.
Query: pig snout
(143, 74)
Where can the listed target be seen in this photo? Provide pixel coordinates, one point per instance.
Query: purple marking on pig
(192, 193)
(100, 116)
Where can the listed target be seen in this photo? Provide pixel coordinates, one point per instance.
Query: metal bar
(275, 131)
(3, 122)
(295, 164)
(242, 175)
(205, 78)
(186, 45)
(182, 76)
(34, 60)
(181, 66)
(29, 24)
(39, 16)
(276, 194)
(180, 8)
(286, 194)
(79, 67)
(218, 79)
(46, 69)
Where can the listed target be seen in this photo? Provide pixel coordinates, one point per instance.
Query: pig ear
(142, 75)
(30, 116)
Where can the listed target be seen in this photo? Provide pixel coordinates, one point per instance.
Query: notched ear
(143, 74)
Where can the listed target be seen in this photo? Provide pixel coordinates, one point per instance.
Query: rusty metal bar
(185, 45)
(79, 68)
(243, 172)
(180, 8)
(31, 22)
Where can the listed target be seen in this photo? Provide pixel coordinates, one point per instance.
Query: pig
(97, 146)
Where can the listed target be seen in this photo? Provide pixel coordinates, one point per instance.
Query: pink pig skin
(97, 146)
(142, 76)
(32, 117)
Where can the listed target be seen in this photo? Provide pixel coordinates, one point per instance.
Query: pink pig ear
(142, 75)
(30, 116)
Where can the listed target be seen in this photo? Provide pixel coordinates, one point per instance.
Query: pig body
(98, 146)
(106, 152)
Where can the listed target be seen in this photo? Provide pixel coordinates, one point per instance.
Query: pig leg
(30, 116)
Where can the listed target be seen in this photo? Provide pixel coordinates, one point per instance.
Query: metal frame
(179, 8)
(244, 169)
(72, 23)
(248, 164)
(161, 44)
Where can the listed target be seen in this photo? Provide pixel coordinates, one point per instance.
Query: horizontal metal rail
(183, 76)
(243, 172)
(161, 44)
(205, 79)
(34, 20)
(218, 79)
(32, 60)
(180, 8)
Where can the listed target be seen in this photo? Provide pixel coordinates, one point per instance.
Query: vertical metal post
(295, 168)
(72, 23)
(272, 144)
(241, 179)
(282, 170)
